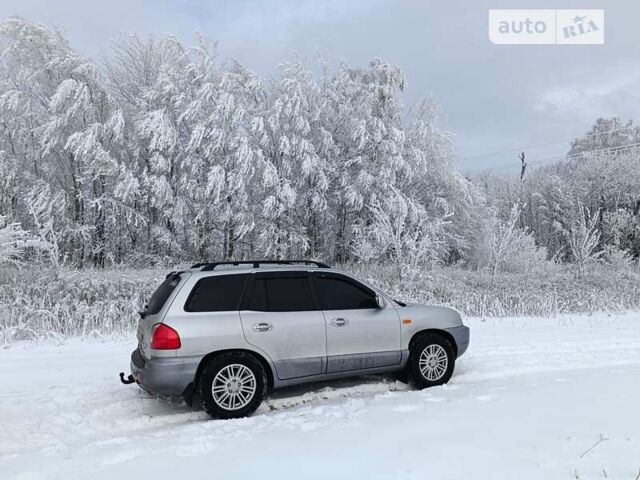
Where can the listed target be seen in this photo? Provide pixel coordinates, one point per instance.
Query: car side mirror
(380, 302)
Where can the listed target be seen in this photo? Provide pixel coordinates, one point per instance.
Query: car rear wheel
(431, 360)
(232, 385)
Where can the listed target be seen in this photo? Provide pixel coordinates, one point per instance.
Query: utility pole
(523, 167)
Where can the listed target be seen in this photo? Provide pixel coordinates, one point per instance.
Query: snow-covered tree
(606, 134)
(13, 241)
(583, 238)
(402, 231)
(621, 230)
(220, 161)
(50, 226)
(509, 248)
(26, 86)
(432, 178)
(364, 119)
(63, 127)
(283, 133)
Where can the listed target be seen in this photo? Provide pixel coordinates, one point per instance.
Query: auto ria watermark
(562, 27)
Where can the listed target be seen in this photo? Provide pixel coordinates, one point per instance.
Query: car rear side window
(341, 293)
(220, 293)
(286, 292)
(162, 293)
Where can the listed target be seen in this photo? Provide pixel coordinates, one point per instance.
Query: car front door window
(337, 293)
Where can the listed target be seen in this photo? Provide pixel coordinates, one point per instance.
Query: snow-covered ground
(529, 401)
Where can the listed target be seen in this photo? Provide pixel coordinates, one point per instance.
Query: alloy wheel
(433, 362)
(233, 387)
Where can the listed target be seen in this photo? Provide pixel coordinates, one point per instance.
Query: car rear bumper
(461, 337)
(163, 375)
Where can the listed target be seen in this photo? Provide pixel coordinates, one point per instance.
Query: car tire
(232, 385)
(431, 360)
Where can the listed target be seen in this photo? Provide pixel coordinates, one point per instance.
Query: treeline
(584, 208)
(161, 153)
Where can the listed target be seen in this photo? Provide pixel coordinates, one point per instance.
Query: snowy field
(532, 399)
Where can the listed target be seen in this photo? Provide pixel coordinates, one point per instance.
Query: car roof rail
(208, 266)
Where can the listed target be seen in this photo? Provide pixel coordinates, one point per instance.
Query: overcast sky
(494, 97)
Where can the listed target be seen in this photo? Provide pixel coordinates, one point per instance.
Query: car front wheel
(232, 385)
(431, 360)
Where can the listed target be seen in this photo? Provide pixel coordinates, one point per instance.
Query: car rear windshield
(162, 293)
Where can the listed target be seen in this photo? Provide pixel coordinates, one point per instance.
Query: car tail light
(165, 338)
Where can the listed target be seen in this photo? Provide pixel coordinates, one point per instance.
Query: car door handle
(262, 327)
(339, 322)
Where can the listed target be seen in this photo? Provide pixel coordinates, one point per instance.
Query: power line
(541, 161)
(582, 154)
(529, 147)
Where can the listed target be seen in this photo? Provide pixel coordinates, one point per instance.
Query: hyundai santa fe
(231, 331)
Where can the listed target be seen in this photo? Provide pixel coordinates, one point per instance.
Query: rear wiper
(143, 313)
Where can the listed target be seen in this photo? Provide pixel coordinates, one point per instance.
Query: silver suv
(230, 331)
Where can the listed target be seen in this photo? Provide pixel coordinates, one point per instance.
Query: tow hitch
(127, 380)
